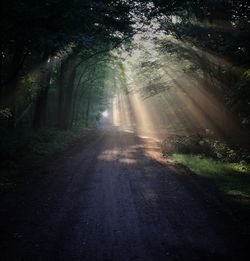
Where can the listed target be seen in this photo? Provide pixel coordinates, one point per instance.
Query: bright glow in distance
(105, 114)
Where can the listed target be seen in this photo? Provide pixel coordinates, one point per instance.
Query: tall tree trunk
(13, 110)
(67, 112)
(61, 92)
(9, 85)
(1, 75)
(42, 97)
(74, 108)
(88, 109)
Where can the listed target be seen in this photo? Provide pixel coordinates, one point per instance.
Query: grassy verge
(230, 178)
(25, 147)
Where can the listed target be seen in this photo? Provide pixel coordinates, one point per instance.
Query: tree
(36, 32)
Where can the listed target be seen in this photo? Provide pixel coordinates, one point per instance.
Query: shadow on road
(109, 199)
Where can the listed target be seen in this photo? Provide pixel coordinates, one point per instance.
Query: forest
(106, 71)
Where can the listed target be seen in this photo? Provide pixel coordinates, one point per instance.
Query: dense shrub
(239, 98)
(205, 145)
(19, 145)
(23, 147)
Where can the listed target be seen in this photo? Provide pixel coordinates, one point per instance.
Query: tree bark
(61, 93)
(67, 112)
(9, 85)
(42, 97)
(88, 109)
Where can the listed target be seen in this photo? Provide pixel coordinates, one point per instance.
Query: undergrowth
(19, 147)
(207, 145)
(226, 166)
(231, 178)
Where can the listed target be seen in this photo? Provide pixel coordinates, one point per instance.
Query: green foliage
(44, 46)
(205, 145)
(239, 97)
(213, 37)
(19, 145)
(57, 68)
(5, 113)
(23, 147)
(231, 178)
(230, 43)
(53, 25)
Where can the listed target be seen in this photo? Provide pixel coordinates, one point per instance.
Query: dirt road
(107, 199)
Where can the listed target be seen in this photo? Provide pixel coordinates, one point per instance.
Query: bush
(205, 145)
(238, 98)
(19, 145)
(184, 144)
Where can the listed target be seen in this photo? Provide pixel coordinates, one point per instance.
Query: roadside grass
(230, 178)
(25, 147)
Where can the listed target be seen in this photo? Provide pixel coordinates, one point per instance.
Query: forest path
(109, 199)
